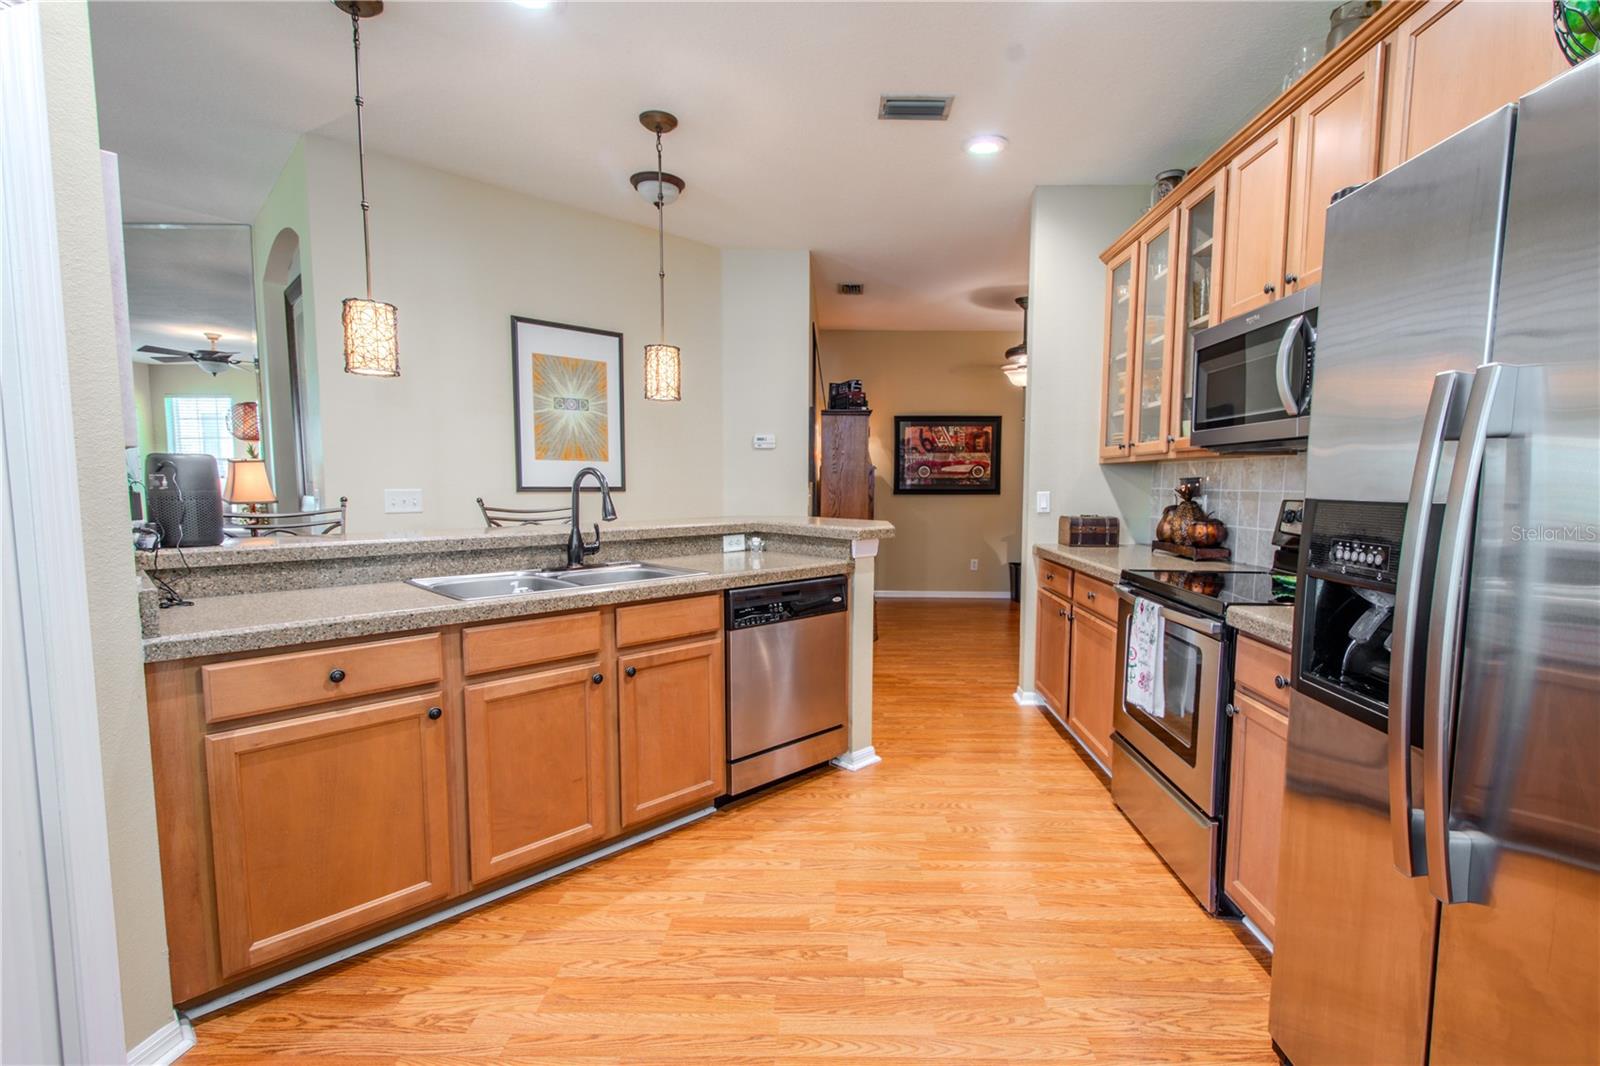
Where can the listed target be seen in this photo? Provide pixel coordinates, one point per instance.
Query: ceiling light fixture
(371, 340)
(1015, 367)
(986, 144)
(663, 366)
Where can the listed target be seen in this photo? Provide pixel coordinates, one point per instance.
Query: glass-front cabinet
(1152, 383)
(1199, 297)
(1118, 384)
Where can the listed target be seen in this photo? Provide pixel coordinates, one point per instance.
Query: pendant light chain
(661, 236)
(361, 157)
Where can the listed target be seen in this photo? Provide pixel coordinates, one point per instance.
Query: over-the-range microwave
(1252, 377)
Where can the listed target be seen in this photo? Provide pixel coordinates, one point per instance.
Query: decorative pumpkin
(1207, 533)
(1186, 512)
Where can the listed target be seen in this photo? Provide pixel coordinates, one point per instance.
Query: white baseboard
(859, 759)
(167, 1044)
(1028, 698)
(921, 594)
(435, 918)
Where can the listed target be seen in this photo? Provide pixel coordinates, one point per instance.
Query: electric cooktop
(1212, 592)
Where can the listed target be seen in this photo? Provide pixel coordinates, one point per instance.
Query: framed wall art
(567, 387)
(947, 454)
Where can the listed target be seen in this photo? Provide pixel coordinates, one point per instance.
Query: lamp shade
(1015, 368)
(371, 340)
(247, 482)
(244, 422)
(661, 372)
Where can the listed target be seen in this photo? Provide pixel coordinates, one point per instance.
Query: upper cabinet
(1258, 221)
(1455, 62)
(1248, 226)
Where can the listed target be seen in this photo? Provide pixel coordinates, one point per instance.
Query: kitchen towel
(1142, 685)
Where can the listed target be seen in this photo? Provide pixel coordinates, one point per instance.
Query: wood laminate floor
(975, 897)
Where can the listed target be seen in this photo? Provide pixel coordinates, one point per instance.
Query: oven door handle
(1291, 402)
(1172, 616)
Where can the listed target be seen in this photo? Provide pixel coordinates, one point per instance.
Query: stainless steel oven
(1165, 773)
(1252, 376)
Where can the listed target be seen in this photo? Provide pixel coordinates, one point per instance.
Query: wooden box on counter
(1088, 530)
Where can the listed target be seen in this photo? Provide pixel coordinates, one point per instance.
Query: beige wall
(937, 373)
(153, 384)
(103, 500)
(1071, 225)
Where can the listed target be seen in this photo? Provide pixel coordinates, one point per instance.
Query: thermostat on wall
(764, 441)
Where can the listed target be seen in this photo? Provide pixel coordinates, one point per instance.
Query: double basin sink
(523, 582)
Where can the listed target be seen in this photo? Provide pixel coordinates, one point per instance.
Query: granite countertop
(217, 625)
(257, 550)
(1107, 564)
(1265, 622)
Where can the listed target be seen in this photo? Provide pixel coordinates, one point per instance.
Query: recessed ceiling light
(986, 144)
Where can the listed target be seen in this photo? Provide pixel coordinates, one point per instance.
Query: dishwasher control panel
(768, 605)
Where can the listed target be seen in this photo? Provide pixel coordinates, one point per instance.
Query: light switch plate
(1041, 501)
(733, 542)
(764, 441)
(972, 564)
(402, 501)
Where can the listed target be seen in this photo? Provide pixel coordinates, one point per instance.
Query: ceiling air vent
(851, 288)
(935, 108)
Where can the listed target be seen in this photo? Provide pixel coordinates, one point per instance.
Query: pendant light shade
(663, 362)
(371, 339)
(662, 372)
(1015, 366)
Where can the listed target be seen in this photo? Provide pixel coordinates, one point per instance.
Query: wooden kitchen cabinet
(1093, 683)
(1454, 62)
(1259, 746)
(1052, 645)
(1116, 390)
(1151, 391)
(538, 767)
(670, 729)
(1257, 219)
(326, 823)
(1335, 145)
(1198, 297)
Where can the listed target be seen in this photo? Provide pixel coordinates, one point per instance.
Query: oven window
(1180, 670)
(1236, 381)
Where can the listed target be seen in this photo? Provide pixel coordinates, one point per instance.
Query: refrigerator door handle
(1441, 423)
(1291, 402)
(1449, 855)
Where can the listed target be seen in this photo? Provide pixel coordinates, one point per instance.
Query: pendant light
(1016, 365)
(371, 344)
(663, 378)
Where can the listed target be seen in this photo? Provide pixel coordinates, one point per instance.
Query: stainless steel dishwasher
(788, 679)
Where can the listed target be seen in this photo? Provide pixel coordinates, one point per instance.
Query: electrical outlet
(972, 564)
(764, 441)
(733, 542)
(1041, 501)
(402, 501)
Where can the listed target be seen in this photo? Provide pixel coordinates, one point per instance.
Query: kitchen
(863, 909)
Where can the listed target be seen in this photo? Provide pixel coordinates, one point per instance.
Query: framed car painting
(954, 454)
(567, 388)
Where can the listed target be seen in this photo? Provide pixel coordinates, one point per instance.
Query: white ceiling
(186, 281)
(780, 142)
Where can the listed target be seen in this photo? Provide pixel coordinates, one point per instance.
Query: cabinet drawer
(1095, 595)
(647, 623)
(1264, 670)
(1055, 578)
(298, 679)
(531, 641)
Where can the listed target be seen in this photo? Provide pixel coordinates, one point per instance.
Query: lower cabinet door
(536, 767)
(1093, 681)
(1255, 809)
(1050, 651)
(325, 824)
(670, 729)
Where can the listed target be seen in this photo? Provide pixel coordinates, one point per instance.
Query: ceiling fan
(209, 359)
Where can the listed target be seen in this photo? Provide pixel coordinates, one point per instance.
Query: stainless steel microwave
(1252, 376)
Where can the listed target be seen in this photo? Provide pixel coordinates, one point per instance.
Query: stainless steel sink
(524, 582)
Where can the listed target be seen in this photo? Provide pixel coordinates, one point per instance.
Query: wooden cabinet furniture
(298, 810)
(1094, 682)
(1052, 646)
(1260, 712)
(845, 475)
(1075, 655)
(1410, 76)
(324, 824)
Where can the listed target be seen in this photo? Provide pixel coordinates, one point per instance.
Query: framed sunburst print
(567, 387)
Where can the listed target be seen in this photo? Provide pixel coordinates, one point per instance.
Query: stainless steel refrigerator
(1439, 894)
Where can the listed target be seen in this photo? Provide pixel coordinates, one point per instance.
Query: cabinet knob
(1171, 439)
(1049, 577)
(336, 675)
(435, 712)
(1269, 289)
(1060, 613)
(1231, 709)
(1290, 279)
(597, 677)
(1090, 595)
(630, 671)
(1280, 681)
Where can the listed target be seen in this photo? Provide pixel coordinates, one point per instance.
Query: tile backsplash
(1244, 492)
